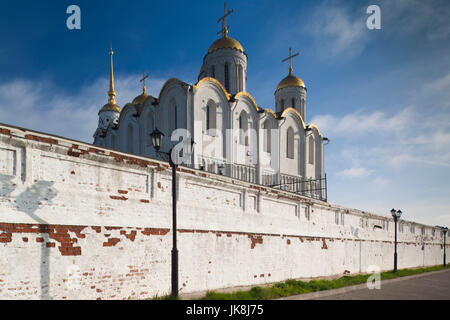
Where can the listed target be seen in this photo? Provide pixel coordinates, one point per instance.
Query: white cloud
(355, 173)
(427, 18)
(359, 122)
(335, 31)
(44, 106)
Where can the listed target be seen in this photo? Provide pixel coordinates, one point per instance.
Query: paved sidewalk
(425, 286)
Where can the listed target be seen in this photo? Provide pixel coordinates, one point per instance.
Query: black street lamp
(444, 234)
(396, 214)
(157, 138)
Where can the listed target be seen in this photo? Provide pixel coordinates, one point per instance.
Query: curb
(325, 293)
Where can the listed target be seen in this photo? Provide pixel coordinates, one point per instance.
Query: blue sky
(381, 96)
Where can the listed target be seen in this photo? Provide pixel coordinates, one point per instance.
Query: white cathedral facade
(232, 135)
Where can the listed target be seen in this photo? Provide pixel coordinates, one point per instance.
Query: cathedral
(230, 134)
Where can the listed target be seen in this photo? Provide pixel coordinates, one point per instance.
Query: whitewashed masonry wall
(83, 222)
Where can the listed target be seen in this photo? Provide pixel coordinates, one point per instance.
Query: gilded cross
(144, 76)
(290, 59)
(224, 30)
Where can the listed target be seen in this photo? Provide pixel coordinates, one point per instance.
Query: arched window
(150, 123)
(290, 143)
(211, 115)
(282, 103)
(213, 71)
(243, 128)
(227, 77)
(240, 78)
(311, 150)
(293, 103)
(267, 143)
(129, 145)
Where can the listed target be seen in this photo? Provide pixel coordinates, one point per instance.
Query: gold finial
(111, 93)
(144, 76)
(290, 60)
(224, 30)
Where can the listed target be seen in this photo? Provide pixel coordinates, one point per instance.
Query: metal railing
(312, 188)
(244, 172)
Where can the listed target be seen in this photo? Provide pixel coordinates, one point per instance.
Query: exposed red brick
(73, 154)
(145, 201)
(118, 198)
(122, 191)
(324, 244)
(155, 232)
(255, 240)
(111, 242)
(97, 229)
(94, 150)
(50, 244)
(5, 131)
(130, 236)
(288, 241)
(40, 139)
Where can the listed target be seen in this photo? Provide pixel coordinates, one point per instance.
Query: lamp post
(444, 234)
(396, 214)
(157, 137)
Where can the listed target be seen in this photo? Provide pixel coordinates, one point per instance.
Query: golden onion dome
(225, 43)
(111, 107)
(291, 81)
(140, 99)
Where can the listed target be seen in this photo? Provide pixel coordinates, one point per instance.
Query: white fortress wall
(82, 222)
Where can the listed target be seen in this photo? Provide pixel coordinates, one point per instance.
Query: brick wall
(81, 222)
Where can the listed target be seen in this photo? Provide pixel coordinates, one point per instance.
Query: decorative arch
(250, 98)
(212, 80)
(296, 113)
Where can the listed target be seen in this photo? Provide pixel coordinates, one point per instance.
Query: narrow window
(290, 143)
(172, 118)
(213, 71)
(243, 128)
(211, 116)
(311, 150)
(307, 213)
(240, 79)
(267, 143)
(282, 103)
(227, 78)
(129, 146)
(293, 103)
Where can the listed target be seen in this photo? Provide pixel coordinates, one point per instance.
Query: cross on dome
(144, 76)
(290, 59)
(224, 30)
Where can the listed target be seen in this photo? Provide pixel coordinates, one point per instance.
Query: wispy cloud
(45, 106)
(428, 18)
(361, 122)
(355, 173)
(336, 31)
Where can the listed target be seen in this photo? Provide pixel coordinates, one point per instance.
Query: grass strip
(295, 287)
